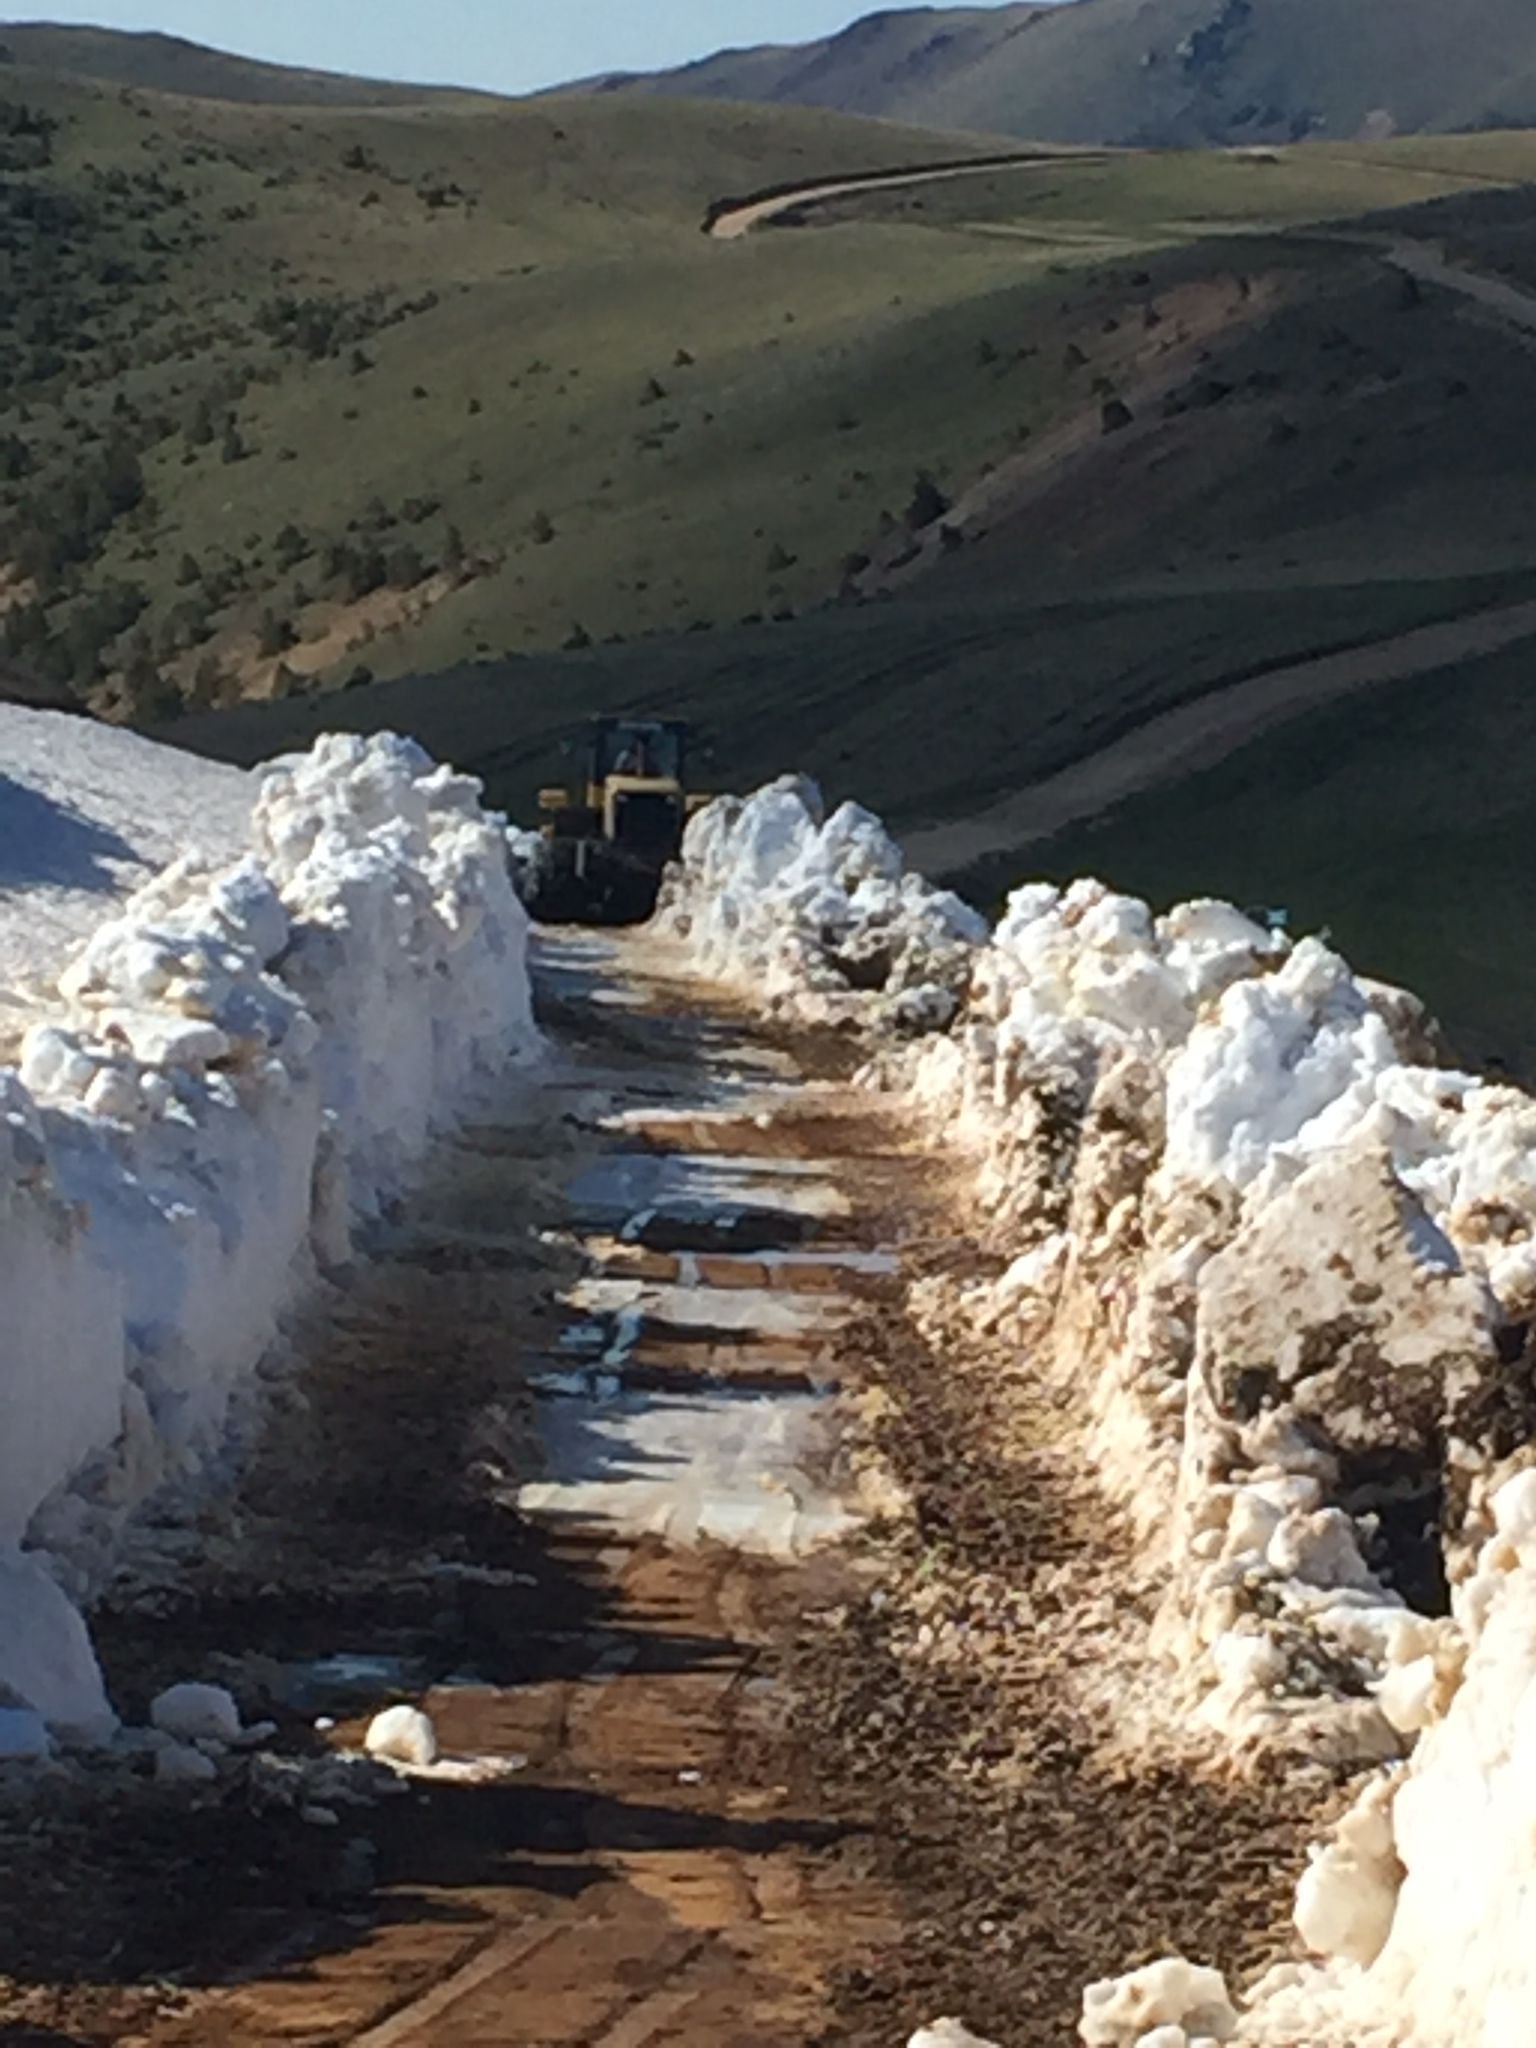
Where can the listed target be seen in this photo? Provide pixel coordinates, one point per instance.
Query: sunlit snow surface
(88, 813)
(243, 1060)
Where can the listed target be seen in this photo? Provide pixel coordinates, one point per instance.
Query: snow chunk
(402, 1735)
(1121, 2011)
(24, 1736)
(196, 1713)
(948, 2034)
(46, 1657)
(179, 1764)
(1346, 1901)
(818, 915)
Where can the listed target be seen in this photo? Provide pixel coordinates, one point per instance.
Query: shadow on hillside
(45, 844)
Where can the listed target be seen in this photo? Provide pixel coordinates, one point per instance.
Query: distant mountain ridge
(859, 70)
(152, 62)
(1176, 73)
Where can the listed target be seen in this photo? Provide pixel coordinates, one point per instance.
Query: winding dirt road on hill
(1180, 743)
(622, 1454)
(1428, 263)
(736, 221)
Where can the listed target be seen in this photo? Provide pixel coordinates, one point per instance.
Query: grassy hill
(169, 64)
(294, 396)
(437, 378)
(316, 417)
(1164, 72)
(1318, 456)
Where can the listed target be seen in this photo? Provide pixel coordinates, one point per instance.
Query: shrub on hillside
(927, 506)
(274, 634)
(290, 547)
(406, 566)
(356, 571)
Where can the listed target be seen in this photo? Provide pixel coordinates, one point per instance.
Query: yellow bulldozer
(607, 844)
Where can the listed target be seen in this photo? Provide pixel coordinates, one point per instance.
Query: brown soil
(980, 1696)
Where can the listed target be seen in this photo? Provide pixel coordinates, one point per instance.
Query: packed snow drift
(1284, 1263)
(817, 916)
(234, 1070)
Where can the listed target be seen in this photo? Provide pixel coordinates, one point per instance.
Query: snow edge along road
(240, 1068)
(1284, 1264)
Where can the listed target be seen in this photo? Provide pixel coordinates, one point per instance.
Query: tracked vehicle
(607, 843)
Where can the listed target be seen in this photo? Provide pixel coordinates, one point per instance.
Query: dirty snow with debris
(233, 1072)
(1284, 1262)
(817, 915)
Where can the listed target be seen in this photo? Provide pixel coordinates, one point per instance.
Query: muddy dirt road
(598, 1459)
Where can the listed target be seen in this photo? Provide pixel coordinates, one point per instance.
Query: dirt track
(571, 1490)
(736, 221)
(1180, 743)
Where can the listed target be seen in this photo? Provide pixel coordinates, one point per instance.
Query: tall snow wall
(1285, 1264)
(240, 1068)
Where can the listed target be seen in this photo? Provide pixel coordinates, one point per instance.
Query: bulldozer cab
(640, 750)
(608, 843)
(635, 785)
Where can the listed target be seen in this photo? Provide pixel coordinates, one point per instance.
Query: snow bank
(1279, 1258)
(1421, 1908)
(237, 1068)
(816, 915)
(1285, 1264)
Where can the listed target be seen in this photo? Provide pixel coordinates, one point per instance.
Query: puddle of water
(565, 1386)
(770, 1311)
(619, 999)
(688, 1468)
(625, 1187)
(348, 1679)
(587, 1338)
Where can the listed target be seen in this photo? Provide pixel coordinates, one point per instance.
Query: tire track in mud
(993, 1695)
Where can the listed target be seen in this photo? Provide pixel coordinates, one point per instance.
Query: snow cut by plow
(236, 1069)
(1284, 1264)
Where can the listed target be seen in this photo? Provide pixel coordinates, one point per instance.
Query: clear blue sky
(497, 45)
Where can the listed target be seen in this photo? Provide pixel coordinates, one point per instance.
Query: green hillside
(294, 397)
(169, 64)
(437, 379)
(1399, 823)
